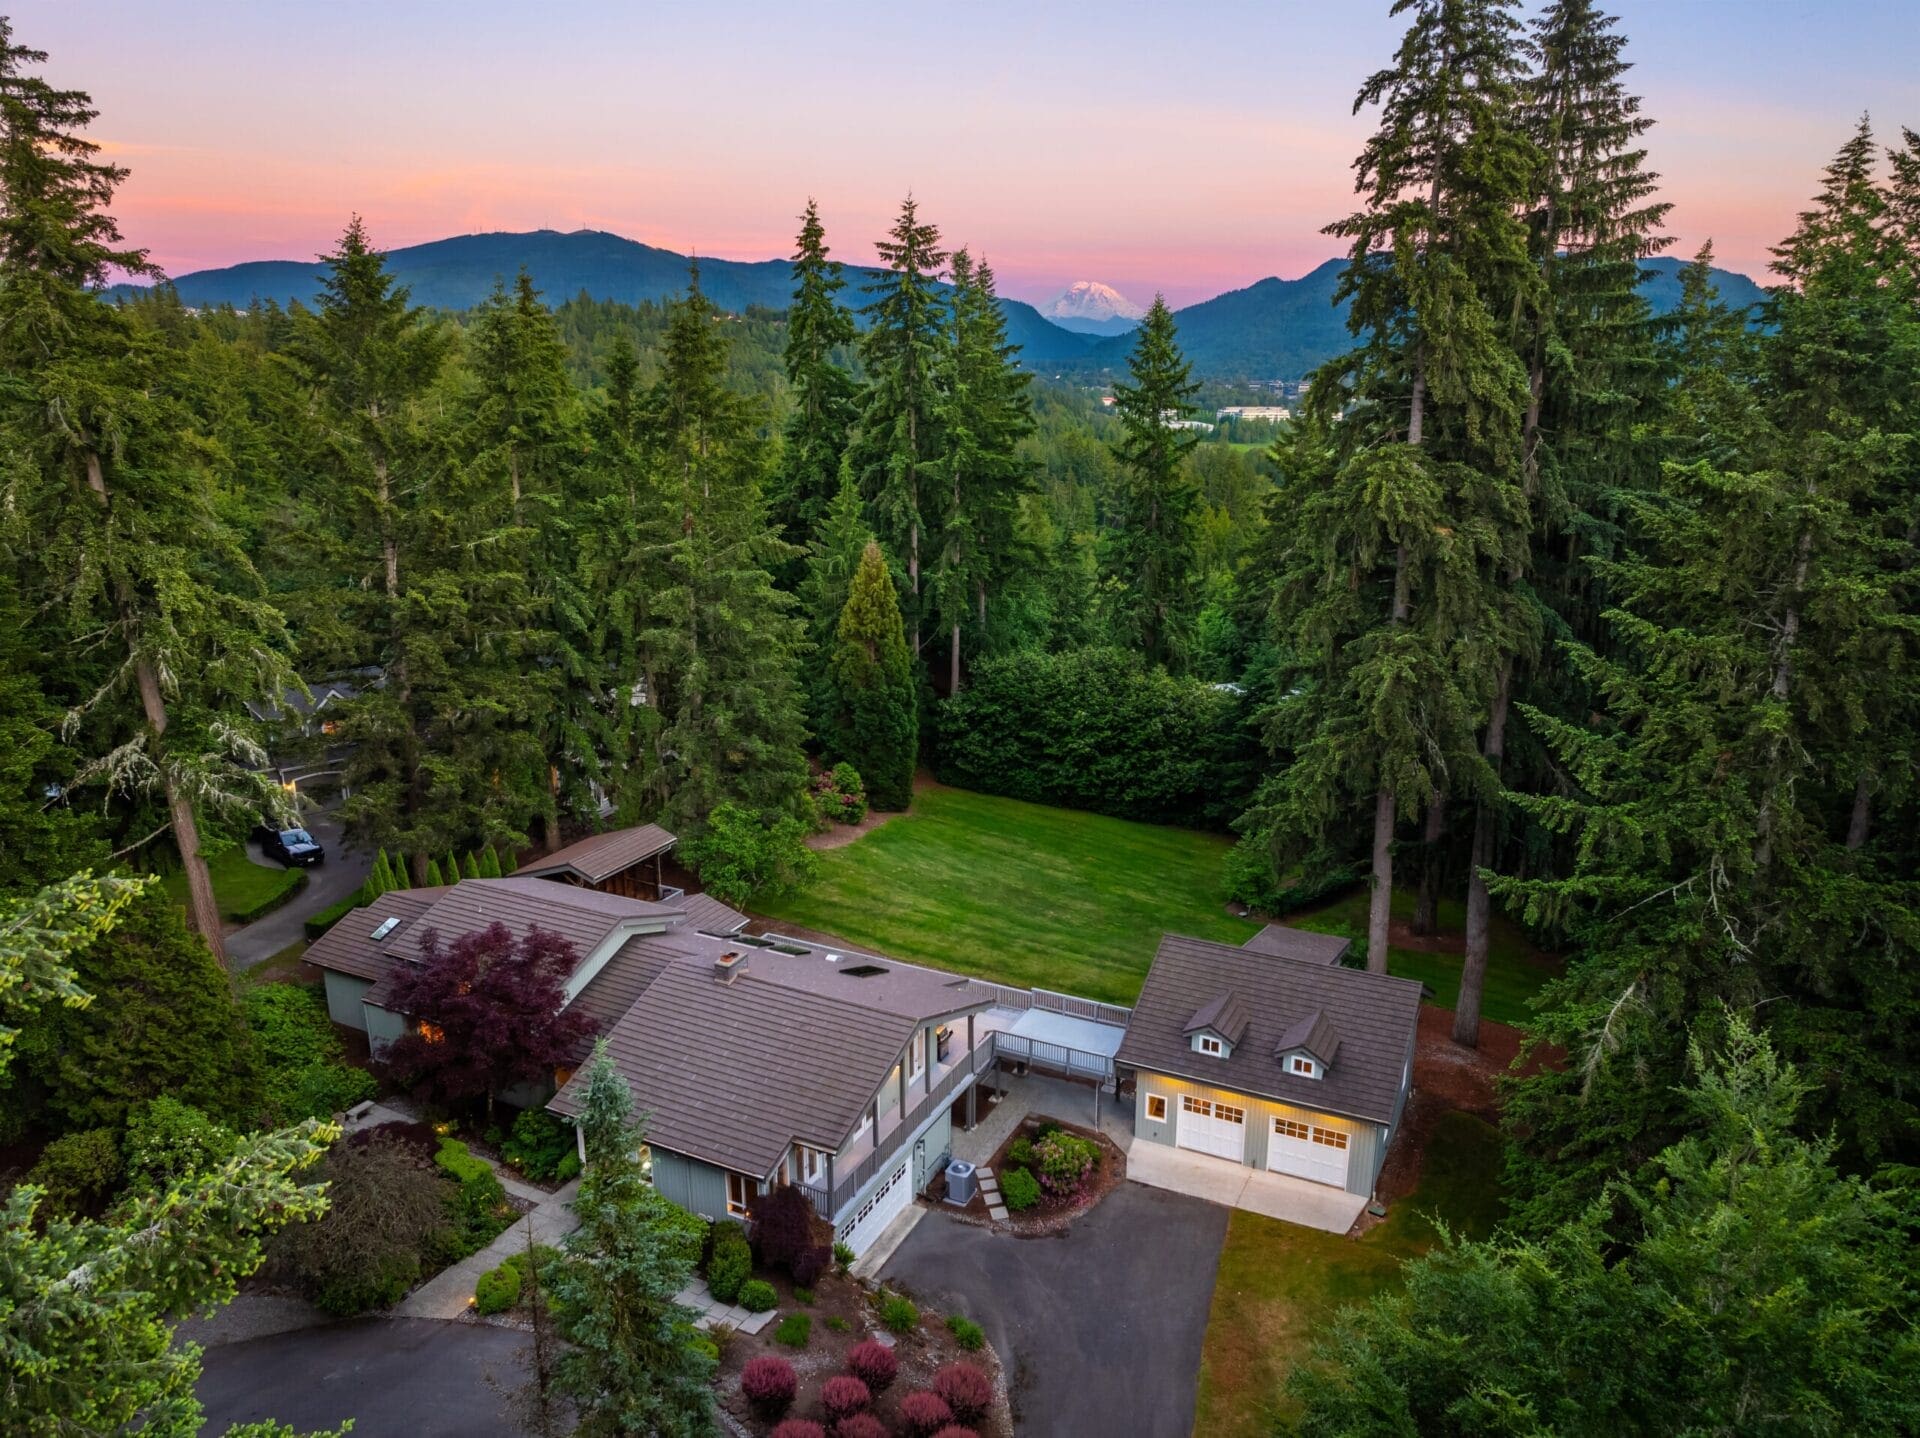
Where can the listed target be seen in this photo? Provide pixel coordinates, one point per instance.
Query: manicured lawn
(242, 886)
(1279, 1283)
(1020, 893)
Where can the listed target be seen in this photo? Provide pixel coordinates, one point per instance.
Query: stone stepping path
(712, 1311)
(990, 1191)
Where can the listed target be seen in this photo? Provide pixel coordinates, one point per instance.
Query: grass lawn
(241, 886)
(1020, 893)
(1279, 1283)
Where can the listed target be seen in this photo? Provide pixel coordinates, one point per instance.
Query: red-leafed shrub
(954, 1430)
(798, 1428)
(843, 1396)
(968, 1391)
(783, 1228)
(812, 1265)
(769, 1384)
(873, 1364)
(924, 1414)
(860, 1425)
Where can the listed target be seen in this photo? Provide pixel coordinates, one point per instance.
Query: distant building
(1273, 412)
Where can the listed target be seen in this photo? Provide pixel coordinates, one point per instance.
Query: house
(300, 728)
(758, 1061)
(621, 861)
(1272, 1055)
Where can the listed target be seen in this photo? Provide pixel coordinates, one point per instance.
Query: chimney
(729, 966)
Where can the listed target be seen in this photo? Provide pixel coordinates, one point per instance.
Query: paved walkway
(1293, 1200)
(697, 1296)
(1039, 1094)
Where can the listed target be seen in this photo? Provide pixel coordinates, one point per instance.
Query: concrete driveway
(327, 883)
(395, 1377)
(1100, 1327)
(1276, 1195)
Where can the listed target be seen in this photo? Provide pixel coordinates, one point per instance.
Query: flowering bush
(967, 1390)
(924, 1414)
(843, 1396)
(840, 795)
(769, 1384)
(1064, 1162)
(860, 1425)
(873, 1364)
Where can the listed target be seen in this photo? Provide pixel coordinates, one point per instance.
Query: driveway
(1219, 1180)
(1100, 1327)
(395, 1377)
(344, 871)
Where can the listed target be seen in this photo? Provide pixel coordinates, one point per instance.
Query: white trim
(739, 1211)
(1303, 1066)
(1209, 1045)
(1161, 1100)
(917, 1054)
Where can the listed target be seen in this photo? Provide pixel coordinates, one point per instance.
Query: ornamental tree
(488, 1013)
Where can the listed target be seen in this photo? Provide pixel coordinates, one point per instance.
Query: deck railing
(1049, 1001)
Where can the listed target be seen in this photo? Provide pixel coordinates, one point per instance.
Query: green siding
(696, 1186)
(344, 993)
(1366, 1146)
(932, 1148)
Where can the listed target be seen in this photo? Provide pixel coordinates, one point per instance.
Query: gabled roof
(349, 946)
(583, 917)
(1289, 943)
(1373, 1016)
(1314, 1034)
(1224, 1014)
(598, 857)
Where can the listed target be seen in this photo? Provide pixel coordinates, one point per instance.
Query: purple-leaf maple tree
(487, 1013)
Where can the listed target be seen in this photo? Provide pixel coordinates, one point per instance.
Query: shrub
(966, 1332)
(743, 854)
(874, 1364)
(538, 1144)
(1020, 1153)
(1065, 1162)
(769, 1384)
(757, 1296)
(967, 1391)
(798, 1428)
(78, 1171)
(795, 1329)
(844, 1395)
(860, 1425)
(954, 1430)
(389, 1210)
(1019, 1189)
(519, 1263)
(803, 1295)
(840, 796)
(167, 1139)
(843, 1254)
(479, 1208)
(731, 1262)
(304, 1069)
(923, 1414)
(317, 924)
(498, 1289)
(783, 1228)
(898, 1314)
(567, 1169)
(812, 1265)
(836, 1323)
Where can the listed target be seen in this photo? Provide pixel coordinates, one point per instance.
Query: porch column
(927, 1042)
(658, 891)
(903, 1094)
(828, 1215)
(972, 1058)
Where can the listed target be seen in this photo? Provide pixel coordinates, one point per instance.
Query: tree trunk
(1473, 968)
(953, 663)
(202, 908)
(1862, 815)
(1427, 908)
(1380, 905)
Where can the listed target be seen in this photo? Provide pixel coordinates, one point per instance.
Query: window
(1330, 1137)
(737, 1192)
(1208, 1044)
(1304, 1067)
(432, 1033)
(1157, 1107)
(1287, 1128)
(645, 1157)
(385, 927)
(1227, 1113)
(812, 1163)
(1190, 1104)
(917, 1054)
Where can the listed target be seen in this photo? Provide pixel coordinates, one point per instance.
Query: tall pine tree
(875, 716)
(819, 329)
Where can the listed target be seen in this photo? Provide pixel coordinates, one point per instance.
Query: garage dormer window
(1304, 1067)
(1208, 1044)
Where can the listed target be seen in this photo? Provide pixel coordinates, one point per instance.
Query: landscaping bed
(1050, 1211)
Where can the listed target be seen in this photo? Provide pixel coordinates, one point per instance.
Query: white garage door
(877, 1210)
(1307, 1150)
(1216, 1128)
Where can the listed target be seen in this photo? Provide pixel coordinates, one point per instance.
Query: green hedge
(480, 1210)
(271, 902)
(319, 922)
(1096, 729)
(304, 1072)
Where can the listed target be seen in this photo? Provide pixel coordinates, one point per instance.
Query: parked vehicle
(290, 846)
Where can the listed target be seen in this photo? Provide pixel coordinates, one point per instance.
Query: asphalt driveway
(327, 883)
(395, 1377)
(1100, 1327)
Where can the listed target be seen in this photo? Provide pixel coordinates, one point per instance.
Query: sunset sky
(1186, 148)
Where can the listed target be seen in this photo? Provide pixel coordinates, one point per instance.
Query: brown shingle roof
(1375, 1017)
(1315, 1034)
(583, 917)
(599, 857)
(615, 989)
(1289, 943)
(1223, 1013)
(706, 912)
(349, 946)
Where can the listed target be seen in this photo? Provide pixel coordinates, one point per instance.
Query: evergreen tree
(630, 1364)
(819, 328)
(119, 500)
(832, 557)
(1149, 555)
(875, 723)
(896, 453)
(727, 639)
(985, 413)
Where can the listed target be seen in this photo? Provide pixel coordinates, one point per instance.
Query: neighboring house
(301, 748)
(621, 861)
(1273, 1055)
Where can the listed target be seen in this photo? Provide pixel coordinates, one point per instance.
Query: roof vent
(729, 966)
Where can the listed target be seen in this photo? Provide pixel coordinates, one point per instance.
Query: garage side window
(1157, 1107)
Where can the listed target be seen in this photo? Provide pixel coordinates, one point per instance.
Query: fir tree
(832, 557)
(875, 724)
(896, 454)
(1149, 555)
(819, 329)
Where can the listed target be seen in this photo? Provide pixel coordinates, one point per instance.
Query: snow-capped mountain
(1092, 308)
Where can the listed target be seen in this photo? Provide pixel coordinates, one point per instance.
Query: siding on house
(932, 1149)
(344, 993)
(383, 1026)
(696, 1186)
(1368, 1141)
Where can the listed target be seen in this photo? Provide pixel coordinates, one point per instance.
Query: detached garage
(1273, 1056)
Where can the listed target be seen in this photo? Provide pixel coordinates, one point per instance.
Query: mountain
(1283, 329)
(1091, 308)
(458, 273)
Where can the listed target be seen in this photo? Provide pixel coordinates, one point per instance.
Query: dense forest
(1542, 600)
